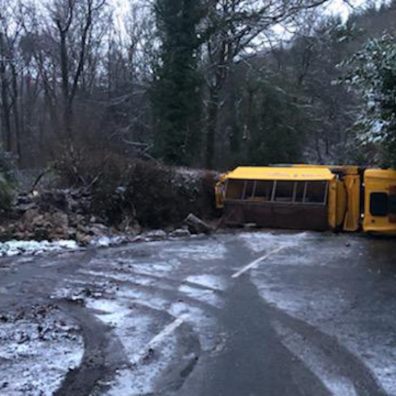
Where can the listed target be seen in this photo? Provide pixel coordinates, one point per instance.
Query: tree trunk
(5, 110)
(67, 106)
(16, 113)
(213, 111)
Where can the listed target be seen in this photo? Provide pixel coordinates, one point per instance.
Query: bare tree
(73, 21)
(233, 28)
(10, 67)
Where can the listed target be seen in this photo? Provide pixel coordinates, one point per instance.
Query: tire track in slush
(350, 366)
(123, 275)
(348, 363)
(98, 365)
(103, 353)
(253, 360)
(166, 294)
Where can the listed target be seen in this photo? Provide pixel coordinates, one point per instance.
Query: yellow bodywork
(336, 204)
(352, 207)
(346, 169)
(337, 195)
(344, 196)
(220, 191)
(281, 173)
(378, 181)
(345, 205)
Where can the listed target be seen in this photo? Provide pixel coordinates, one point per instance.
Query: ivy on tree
(176, 90)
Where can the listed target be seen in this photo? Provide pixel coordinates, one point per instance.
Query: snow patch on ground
(293, 300)
(208, 250)
(141, 379)
(206, 296)
(108, 311)
(36, 353)
(203, 324)
(134, 328)
(209, 281)
(142, 298)
(157, 268)
(261, 241)
(15, 248)
(131, 269)
(139, 279)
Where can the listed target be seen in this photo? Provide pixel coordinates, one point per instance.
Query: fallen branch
(39, 177)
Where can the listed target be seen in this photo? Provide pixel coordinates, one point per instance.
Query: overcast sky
(340, 7)
(335, 6)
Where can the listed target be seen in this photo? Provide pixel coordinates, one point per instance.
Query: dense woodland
(208, 83)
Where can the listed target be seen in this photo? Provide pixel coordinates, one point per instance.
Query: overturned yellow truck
(339, 198)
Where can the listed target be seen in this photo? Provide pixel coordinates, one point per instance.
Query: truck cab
(379, 201)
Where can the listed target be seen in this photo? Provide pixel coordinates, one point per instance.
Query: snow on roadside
(17, 248)
(37, 350)
(108, 241)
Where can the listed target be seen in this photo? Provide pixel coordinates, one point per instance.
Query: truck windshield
(379, 204)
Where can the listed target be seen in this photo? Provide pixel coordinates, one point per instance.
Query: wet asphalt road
(315, 315)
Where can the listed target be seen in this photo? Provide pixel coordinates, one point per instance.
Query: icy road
(246, 314)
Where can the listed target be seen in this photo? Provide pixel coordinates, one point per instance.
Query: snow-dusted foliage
(373, 74)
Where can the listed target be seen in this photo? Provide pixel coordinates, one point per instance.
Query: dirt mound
(123, 198)
(53, 215)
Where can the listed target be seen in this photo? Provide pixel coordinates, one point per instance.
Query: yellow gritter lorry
(312, 197)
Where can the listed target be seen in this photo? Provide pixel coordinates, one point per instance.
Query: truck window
(379, 204)
(284, 191)
(316, 192)
(249, 189)
(300, 188)
(392, 204)
(235, 189)
(264, 190)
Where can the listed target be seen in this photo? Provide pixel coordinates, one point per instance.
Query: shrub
(153, 194)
